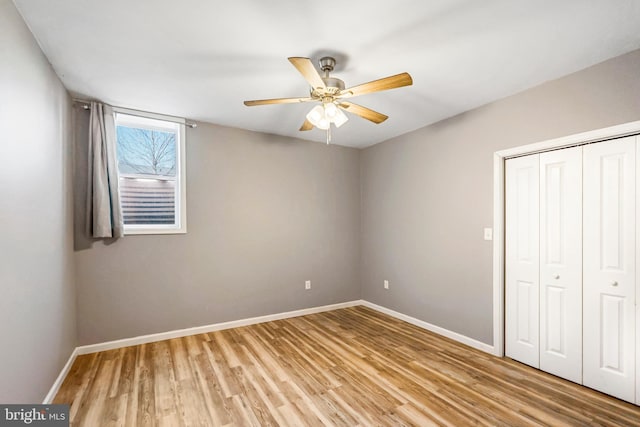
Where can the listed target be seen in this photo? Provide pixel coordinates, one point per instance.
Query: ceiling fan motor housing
(327, 63)
(333, 84)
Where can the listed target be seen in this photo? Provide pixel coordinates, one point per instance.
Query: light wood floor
(347, 367)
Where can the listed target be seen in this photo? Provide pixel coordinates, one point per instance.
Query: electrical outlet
(386, 284)
(307, 284)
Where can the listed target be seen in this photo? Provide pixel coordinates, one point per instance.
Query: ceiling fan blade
(307, 125)
(364, 112)
(276, 101)
(391, 82)
(309, 72)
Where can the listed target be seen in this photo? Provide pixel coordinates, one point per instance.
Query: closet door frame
(499, 158)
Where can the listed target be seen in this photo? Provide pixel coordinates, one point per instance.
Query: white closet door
(522, 259)
(609, 267)
(561, 263)
(637, 295)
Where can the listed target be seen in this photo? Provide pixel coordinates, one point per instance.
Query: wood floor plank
(348, 367)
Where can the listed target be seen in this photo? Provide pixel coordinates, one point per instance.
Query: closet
(570, 264)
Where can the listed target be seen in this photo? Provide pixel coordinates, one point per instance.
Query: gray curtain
(103, 213)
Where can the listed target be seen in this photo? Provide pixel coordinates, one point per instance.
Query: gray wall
(427, 195)
(264, 214)
(37, 294)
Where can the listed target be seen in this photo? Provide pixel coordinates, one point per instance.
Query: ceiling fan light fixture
(321, 116)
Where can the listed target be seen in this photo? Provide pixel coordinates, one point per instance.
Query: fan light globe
(323, 123)
(315, 115)
(340, 118)
(330, 110)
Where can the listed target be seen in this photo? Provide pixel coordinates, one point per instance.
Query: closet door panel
(561, 263)
(610, 267)
(637, 292)
(522, 259)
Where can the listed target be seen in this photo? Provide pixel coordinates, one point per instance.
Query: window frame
(180, 225)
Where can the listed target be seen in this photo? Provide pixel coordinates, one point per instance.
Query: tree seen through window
(146, 151)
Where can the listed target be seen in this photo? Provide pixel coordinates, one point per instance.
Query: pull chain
(329, 134)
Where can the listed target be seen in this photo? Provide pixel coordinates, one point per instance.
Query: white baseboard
(178, 333)
(63, 374)
(433, 328)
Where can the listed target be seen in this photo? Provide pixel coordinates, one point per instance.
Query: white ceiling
(200, 58)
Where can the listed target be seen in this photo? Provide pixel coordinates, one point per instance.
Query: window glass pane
(146, 151)
(147, 168)
(147, 201)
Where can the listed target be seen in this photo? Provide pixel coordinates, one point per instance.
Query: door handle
(557, 276)
(614, 284)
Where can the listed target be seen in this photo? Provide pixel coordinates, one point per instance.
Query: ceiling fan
(332, 95)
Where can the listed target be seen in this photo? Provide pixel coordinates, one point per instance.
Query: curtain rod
(86, 105)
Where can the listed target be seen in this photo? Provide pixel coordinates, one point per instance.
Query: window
(150, 151)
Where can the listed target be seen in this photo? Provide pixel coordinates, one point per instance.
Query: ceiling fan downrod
(327, 64)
